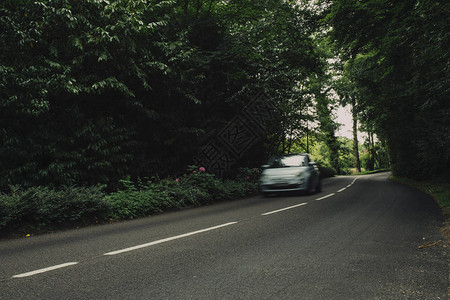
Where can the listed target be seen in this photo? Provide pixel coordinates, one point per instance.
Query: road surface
(362, 237)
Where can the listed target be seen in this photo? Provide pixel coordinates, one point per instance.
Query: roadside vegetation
(103, 104)
(27, 211)
(372, 171)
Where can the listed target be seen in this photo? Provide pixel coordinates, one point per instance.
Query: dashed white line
(39, 271)
(45, 270)
(282, 209)
(321, 198)
(168, 239)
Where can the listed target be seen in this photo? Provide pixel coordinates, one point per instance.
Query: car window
(288, 161)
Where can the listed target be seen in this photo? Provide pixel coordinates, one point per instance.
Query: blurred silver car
(290, 172)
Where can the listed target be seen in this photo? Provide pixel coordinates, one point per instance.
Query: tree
(92, 91)
(349, 94)
(399, 54)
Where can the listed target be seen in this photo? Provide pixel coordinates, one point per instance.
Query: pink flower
(202, 169)
(177, 180)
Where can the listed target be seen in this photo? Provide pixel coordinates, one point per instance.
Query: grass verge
(372, 172)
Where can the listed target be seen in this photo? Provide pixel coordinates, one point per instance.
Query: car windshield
(287, 161)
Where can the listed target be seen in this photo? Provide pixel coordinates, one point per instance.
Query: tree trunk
(355, 137)
(334, 153)
(290, 141)
(186, 4)
(372, 151)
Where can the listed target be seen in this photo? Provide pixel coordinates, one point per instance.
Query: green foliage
(93, 90)
(44, 207)
(183, 195)
(194, 188)
(248, 174)
(397, 57)
(41, 208)
(326, 172)
(374, 157)
(73, 72)
(321, 153)
(218, 189)
(132, 203)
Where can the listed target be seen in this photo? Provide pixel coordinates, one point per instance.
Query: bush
(183, 195)
(196, 187)
(40, 208)
(249, 175)
(209, 184)
(326, 172)
(132, 204)
(44, 207)
(218, 189)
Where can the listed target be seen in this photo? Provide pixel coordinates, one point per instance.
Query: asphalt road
(360, 238)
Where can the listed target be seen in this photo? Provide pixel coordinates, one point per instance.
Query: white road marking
(45, 270)
(321, 198)
(168, 239)
(283, 209)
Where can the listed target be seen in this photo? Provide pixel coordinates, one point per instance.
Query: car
(290, 172)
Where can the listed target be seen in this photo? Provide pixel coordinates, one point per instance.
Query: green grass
(372, 172)
(438, 189)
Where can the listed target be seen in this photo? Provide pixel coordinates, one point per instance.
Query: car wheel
(310, 189)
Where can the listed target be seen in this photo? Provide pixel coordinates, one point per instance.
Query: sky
(344, 117)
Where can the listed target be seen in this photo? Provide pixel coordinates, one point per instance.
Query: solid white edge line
(282, 209)
(341, 190)
(44, 270)
(326, 196)
(168, 239)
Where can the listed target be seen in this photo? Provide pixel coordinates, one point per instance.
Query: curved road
(362, 237)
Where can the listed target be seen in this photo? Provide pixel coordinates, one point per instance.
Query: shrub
(217, 189)
(183, 195)
(44, 206)
(326, 171)
(12, 207)
(237, 189)
(41, 207)
(249, 175)
(133, 201)
(207, 183)
(133, 204)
